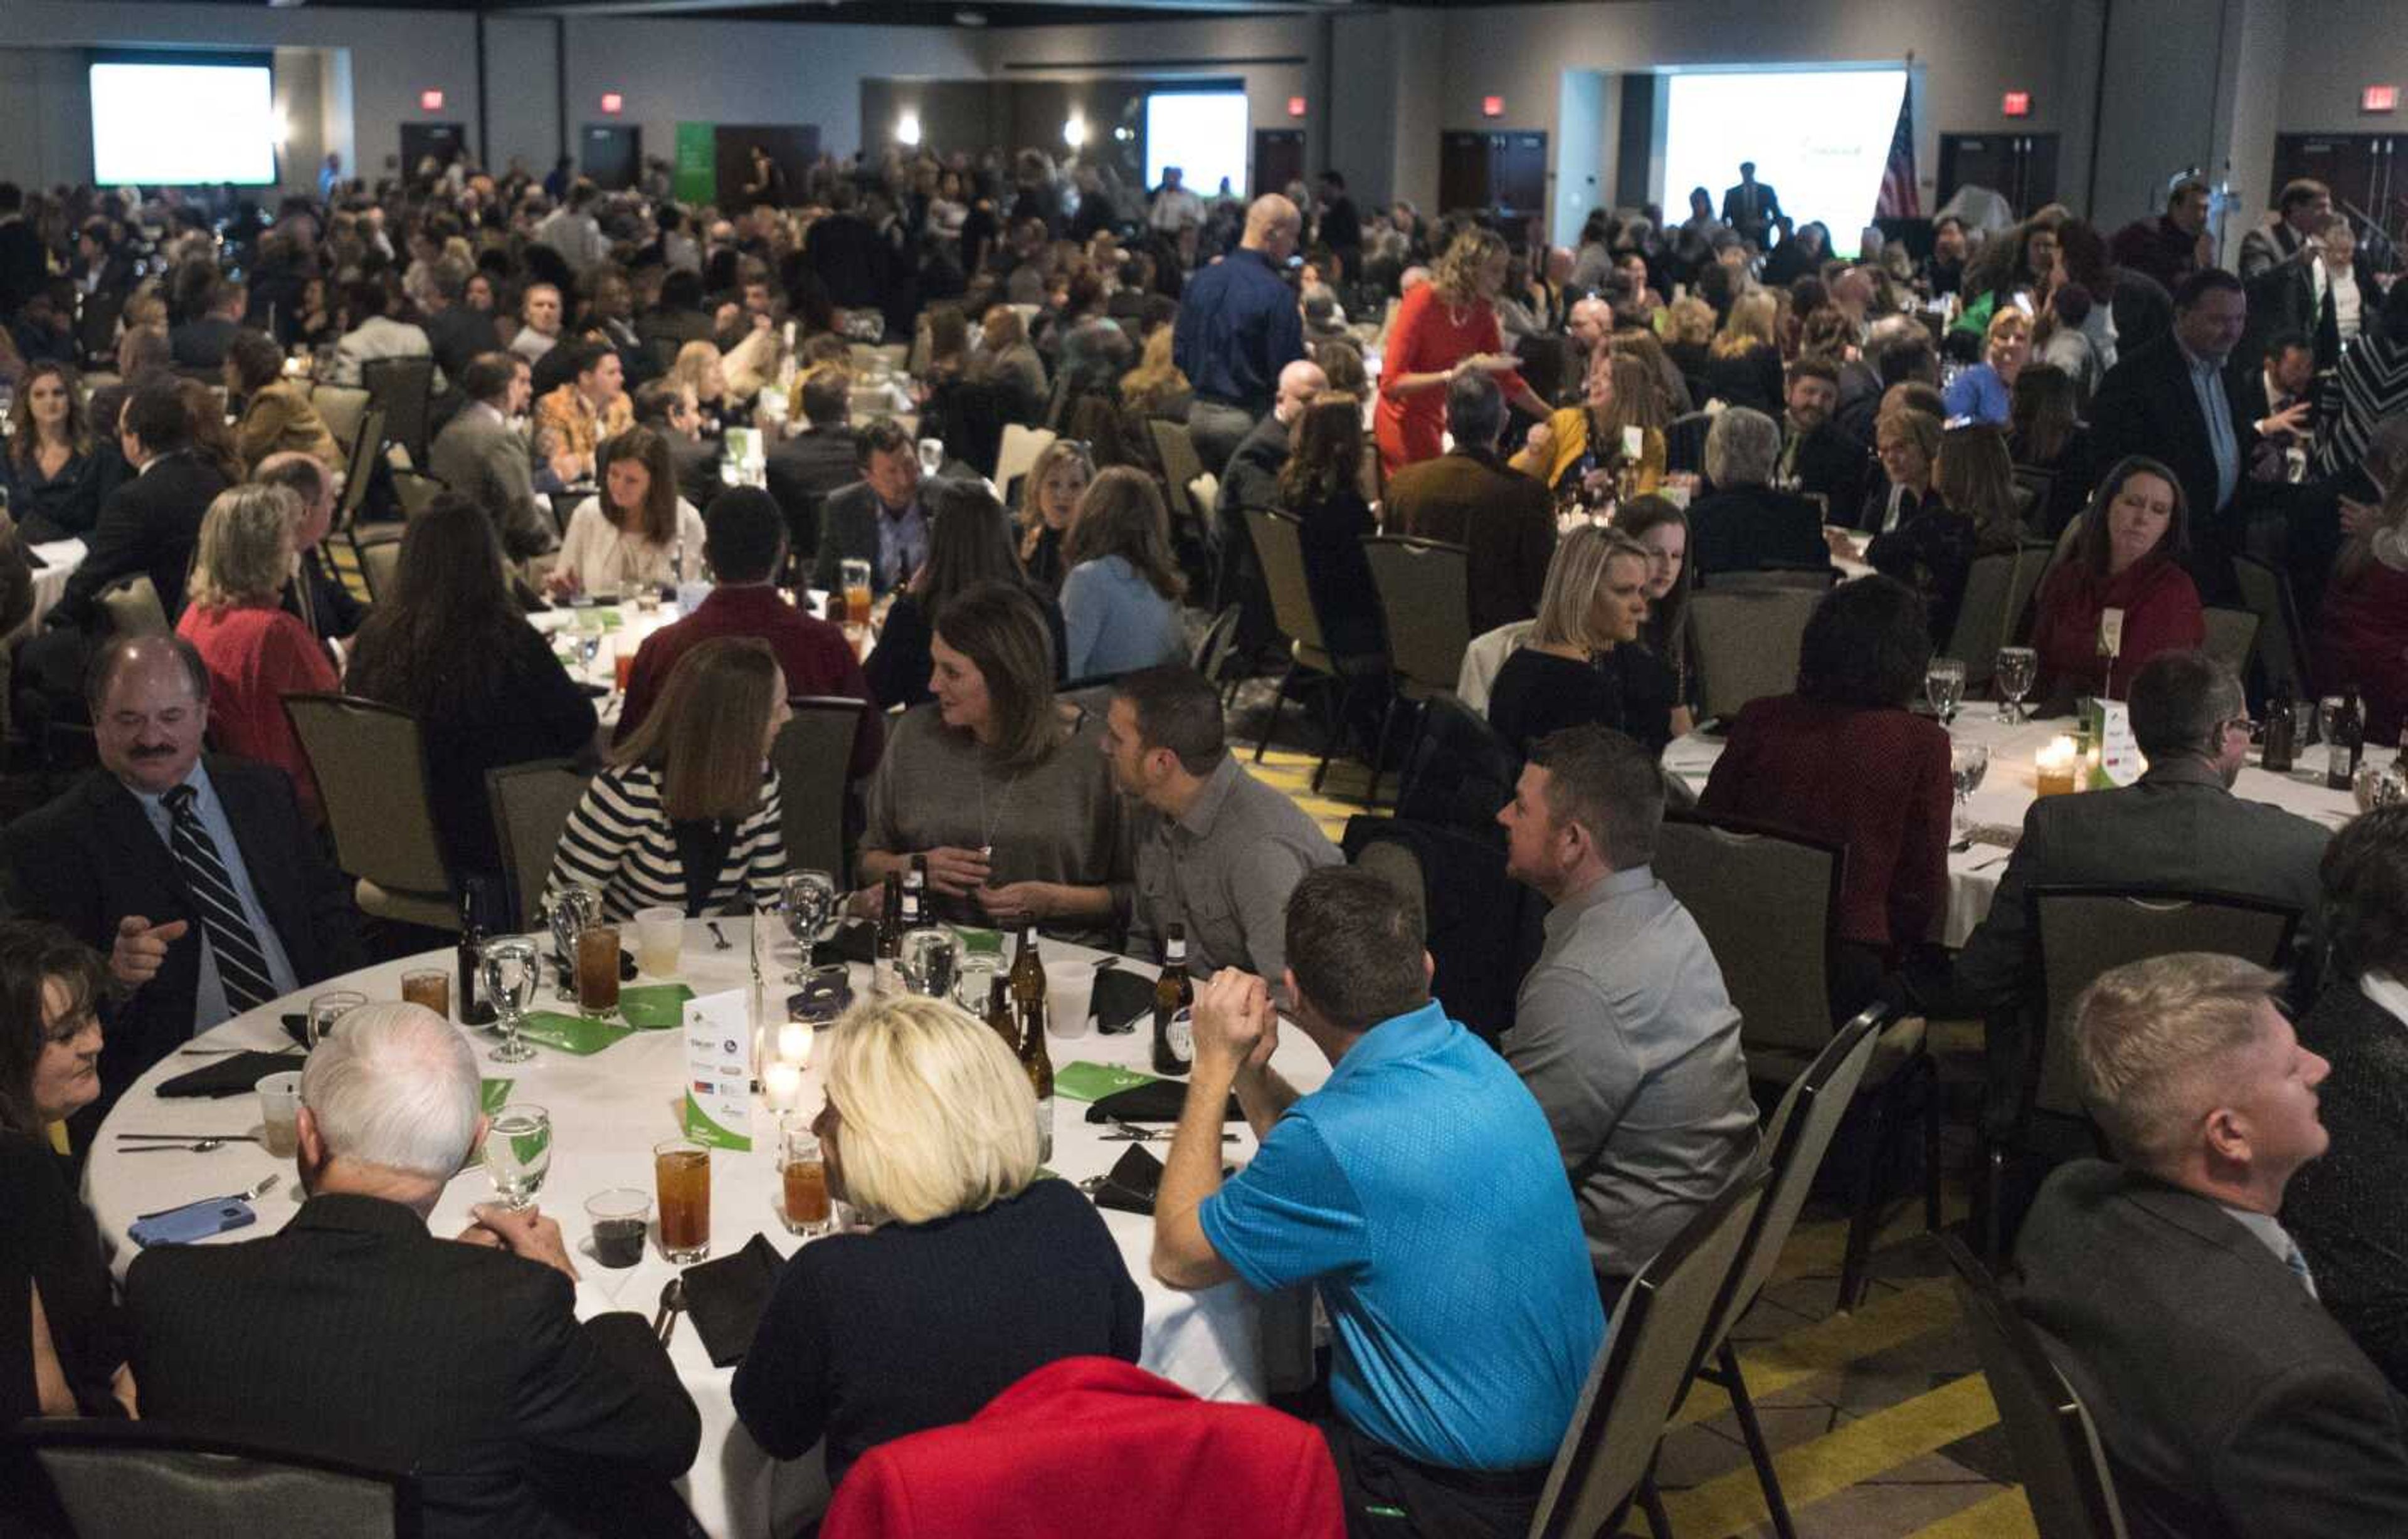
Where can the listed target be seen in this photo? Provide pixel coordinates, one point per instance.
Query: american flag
(1898, 197)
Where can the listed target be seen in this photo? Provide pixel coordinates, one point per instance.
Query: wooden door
(1279, 160)
(612, 154)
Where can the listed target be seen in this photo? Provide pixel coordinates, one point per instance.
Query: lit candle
(2053, 768)
(795, 1043)
(783, 1084)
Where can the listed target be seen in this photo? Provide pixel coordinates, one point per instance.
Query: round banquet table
(609, 1109)
(2007, 792)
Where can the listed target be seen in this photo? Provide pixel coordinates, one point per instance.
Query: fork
(250, 1193)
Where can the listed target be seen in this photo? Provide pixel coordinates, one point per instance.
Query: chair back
(416, 490)
(1485, 659)
(1463, 770)
(1743, 643)
(2232, 638)
(1175, 446)
(378, 560)
(1767, 903)
(1684, 443)
(2032, 560)
(1393, 861)
(1982, 617)
(1794, 1142)
(1217, 648)
(125, 1477)
(2033, 488)
(2267, 592)
(2057, 1454)
(814, 758)
(531, 803)
(369, 761)
(1017, 453)
(1611, 1445)
(2083, 931)
(133, 608)
(1279, 544)
(359, 467)
(1821, 578)
(343, 408)
(401, 387)
(1424, 588)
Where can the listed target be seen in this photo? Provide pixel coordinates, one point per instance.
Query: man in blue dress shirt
(1419, 1189)
(1238, 327)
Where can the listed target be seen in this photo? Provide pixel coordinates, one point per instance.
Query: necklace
(986, 823)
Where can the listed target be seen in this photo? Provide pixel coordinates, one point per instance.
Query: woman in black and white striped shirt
(690, 791)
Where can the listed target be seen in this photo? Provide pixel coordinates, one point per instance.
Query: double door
(1501, 174)
(2019, 167)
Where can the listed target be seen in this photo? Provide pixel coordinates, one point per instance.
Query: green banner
(696, 177)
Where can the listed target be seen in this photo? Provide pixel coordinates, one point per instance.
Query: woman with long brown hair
(1120, 603)
(1447, 325)
(448, 645)
(1048, 503)
(969, 542)
(636, 532)
(1969, 513)
(685, 813)
(1321, 485)
(2128, 558)
(49, 472)
(1660, 527)
(1592, 442)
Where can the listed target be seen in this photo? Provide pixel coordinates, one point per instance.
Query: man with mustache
(195, 876)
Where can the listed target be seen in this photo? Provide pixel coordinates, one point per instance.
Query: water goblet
(325, 1010)
(1968, 763)
(571, 911)
(518, 1154)
(929, 960)
(2018, 669)
(806, 901)
(1943, 685)
(511, 966)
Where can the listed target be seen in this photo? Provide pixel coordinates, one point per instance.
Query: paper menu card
(717, 1107)
(2120, 762)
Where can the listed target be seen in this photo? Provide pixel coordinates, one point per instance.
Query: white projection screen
(162, 123)
(1203, 133)
(1819, 137)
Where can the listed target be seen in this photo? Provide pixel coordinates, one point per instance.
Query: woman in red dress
(1447, 325)
(2362, 639)
(2126, 562)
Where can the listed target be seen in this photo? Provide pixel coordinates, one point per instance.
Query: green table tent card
(1090, 1082)
(655, 1006)
(570, 1033)
(717, 1102)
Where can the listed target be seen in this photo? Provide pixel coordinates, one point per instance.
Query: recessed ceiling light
(970, 17)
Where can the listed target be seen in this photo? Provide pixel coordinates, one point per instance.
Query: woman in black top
(974, 1271)
(1318, 484)
(1970, 512)
(2044, 434)
(451, 648)
(48, 470)
(970, 541)
(1582, 662)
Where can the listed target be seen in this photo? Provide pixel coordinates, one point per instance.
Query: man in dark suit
(2306, 291)
(1816, 458)
(2228, 1401)
(1744, 525)
(883, 518)
(805, 470)
(668, 409)
(200, 344)
(457, 332)
(1750, 207)
(197, 877)
(479, 456)
(315, 596)
(357, 1332)
(23, 268)
(1505, 520)
(847, 252)
(2178, 400)
(2178, 827)
(149, 525)
(1252, 481)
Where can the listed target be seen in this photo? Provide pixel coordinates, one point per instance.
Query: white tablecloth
(61, 557)
(2007, 791)
(608, 1111)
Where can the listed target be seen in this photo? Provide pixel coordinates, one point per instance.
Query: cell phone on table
(192, 1222)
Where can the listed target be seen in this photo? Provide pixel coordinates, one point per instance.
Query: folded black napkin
(727, 1297)
(238, 1074)
(855, 940)
(1133, 1182)
(1159, 1101)
(1123, 998)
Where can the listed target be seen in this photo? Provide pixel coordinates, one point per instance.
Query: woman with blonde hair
(974, 1270)
(1048, 503)
(1584, 448)
(1688, 342)
(999, 786)
(1582, 663)
(1445, 326)
(699, 368)
(1985, 393)
(685, 813)
(634, 533)
(1744, 364)
(256, 652)
(1155, 387)
(1120, 603)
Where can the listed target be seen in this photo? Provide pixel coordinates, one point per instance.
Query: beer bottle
(1028, 971)
(999, 1013)
(2346, 743)
(1174, 1000)
(886, 971)
(474, 1010)
(916, 889)
(2282, 749)
(1040, 1064)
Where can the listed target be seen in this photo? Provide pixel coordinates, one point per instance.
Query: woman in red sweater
(256, 652)
(1444, 326)
(2127, 565)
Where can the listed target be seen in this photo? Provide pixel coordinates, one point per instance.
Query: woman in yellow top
(1592, 439)
(276, 415)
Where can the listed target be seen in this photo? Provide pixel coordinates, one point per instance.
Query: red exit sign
(2015, 104)
(2382, 98)
(431, 101)
(1492, 107)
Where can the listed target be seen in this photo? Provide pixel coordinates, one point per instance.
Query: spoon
(204, 1147)
(719, 942)
(672, 1305)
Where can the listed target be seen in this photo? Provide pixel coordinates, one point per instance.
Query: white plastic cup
(1069, 997)
(660, 935)
(280, 1114)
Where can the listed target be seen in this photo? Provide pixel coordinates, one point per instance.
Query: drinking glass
(572, 911)
(932, 456)
(856, 590)
(518, 1153)
(1943, 685)
(2018, 669)
(1968, 763)
(803, 1168)
(620, 1217)
(510, 967)
(430, 987)
(806, 901)
(973, 980)
(280, 1114)
(597, 971)
(660, 936)
(326, 1009)
(681, 1179)
(929, 959)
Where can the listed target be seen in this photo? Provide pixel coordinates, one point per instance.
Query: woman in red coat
(1444, 326)
(2127, 563)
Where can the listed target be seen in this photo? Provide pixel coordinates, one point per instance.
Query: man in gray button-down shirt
(1223, 850)
(1623, 1030)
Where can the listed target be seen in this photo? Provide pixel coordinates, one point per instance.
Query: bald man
(1251, 481)
(1238, 327)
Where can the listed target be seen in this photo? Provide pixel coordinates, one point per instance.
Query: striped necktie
(242, 967)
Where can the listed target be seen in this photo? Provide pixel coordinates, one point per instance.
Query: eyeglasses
(2247, 727)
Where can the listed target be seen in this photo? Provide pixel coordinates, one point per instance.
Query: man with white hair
(1238, 327)
(2228, 1401)
(355, 1331)
(1251, 481)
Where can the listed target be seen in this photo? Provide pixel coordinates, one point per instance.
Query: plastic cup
(1069, 997)
(660, 934)
(620, 1217)
(280, 1114)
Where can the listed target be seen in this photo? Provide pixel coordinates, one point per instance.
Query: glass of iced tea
(430, 987)
(597, 970)
(804, 1167)
(681, 1178)
(856, 591)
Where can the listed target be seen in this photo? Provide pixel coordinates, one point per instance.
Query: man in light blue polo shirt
(1420, 1189)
